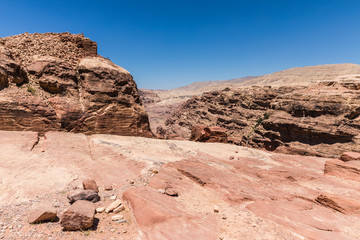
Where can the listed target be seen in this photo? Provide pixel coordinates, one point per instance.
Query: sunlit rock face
(58, 82)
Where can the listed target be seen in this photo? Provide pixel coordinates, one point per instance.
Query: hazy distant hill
(304, 75)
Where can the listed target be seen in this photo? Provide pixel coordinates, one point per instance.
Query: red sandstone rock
(42, 211)
(78, 216)
(160, 217)
(90, 184)
(339, 203)
(71, 88)
(347, 170)
(318, 120)
(201, 133)
(350, 156)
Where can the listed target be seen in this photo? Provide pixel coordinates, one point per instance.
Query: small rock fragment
(170, 191)
(88, 195)
(78, 216)
(113, 197)
(231, 157)
(162, 191)
(216, 209)
(100, 209)
(90, 184)
(117, 217)
(42, 211)
(119, 209)
(108, 188)
(113, 205)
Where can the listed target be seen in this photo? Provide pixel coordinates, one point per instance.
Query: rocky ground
(177, 189)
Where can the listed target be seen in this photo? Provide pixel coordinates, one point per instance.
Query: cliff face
(58, 82)
(321, 120)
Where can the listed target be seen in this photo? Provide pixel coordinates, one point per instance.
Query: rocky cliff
(320, 120)
(57, 81)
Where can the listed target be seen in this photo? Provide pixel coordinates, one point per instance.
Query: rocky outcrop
(202, 133)
(10, 71)
(320, 120)
(68, 88)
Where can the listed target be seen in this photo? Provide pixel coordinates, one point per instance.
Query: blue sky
(167, 44)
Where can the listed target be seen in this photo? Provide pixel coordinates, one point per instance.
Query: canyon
(85, 154)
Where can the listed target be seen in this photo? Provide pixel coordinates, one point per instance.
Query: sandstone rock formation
(161, 103)
(58, 82)
(320, 120)
(202, 133)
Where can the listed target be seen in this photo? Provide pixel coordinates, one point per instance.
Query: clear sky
(167, 44)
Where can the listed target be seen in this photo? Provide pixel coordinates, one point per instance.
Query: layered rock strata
(58, 82)
(320, 120)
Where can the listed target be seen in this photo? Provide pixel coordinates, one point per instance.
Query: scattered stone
(113, 205)
(170, 191)
(117, 217)
(113, 197)
(236, 151)
(90, 184)
(162, 191)
(42, 211)
(131, 182)
(56, 205)
(108, 188)
(216, 209)
(119, 209)
(100, 209)
(88, 195)
(78, 216)
(350, 156)
(112, 230)
(231, 157)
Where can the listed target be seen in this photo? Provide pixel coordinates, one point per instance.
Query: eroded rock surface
(319, 120)
(58, 82)
(223, 191)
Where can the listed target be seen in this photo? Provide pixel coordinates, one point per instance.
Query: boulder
(88, 195)
(202, 133)
(350, 156)
(90, 184)
(78, 216)
(42, 211)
